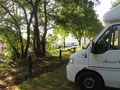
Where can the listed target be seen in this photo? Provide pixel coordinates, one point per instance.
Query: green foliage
(116, 3)
(79, 19)
(52, 41)
(53, 51)
(59, 30)
(10, 38)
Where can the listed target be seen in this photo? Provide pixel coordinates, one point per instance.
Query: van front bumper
(71, 73)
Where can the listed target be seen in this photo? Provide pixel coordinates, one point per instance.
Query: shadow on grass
(55, 80)
(10, 76)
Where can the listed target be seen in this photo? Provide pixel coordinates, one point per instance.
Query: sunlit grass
(55, 80)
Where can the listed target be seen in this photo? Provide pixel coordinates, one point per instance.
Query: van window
(103, 43)
(115, 37)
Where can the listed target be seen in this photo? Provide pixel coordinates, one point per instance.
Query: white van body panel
(79, 63)
(107, 65)
(72, 72)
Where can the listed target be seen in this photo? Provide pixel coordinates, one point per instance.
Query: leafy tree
(77, 18)
(18, 21)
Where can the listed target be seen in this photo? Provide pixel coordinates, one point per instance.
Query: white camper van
(98, 64)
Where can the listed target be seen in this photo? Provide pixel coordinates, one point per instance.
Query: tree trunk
(79, 42)
(34, 46)
(28, 34)
(64, 42)
(45, 30)
(43, 48)
(28, 40)
(84, 40)
(37, 43)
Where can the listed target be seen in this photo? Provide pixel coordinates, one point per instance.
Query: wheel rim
(89, 83)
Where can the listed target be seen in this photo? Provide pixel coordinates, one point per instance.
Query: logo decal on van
(113, 62)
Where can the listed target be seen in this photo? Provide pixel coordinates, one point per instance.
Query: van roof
(112, 16)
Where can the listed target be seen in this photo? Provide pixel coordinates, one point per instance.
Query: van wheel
(89, 81)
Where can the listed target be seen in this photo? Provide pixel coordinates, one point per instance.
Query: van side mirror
(92, 46)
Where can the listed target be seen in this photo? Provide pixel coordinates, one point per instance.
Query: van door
(106, 59)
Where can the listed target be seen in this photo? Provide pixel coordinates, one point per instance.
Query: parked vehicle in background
(70, 44)
(98, 65)
(67, 44)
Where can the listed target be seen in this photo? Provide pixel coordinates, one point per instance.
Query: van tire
(90, 81)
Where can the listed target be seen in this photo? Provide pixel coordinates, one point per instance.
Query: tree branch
(30, 2)
(50, 27)
(10, 14)
(23, 10)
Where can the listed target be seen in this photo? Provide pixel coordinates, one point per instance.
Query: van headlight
(71, 60)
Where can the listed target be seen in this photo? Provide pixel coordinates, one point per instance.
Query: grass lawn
(12, 76)
(55, 80)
